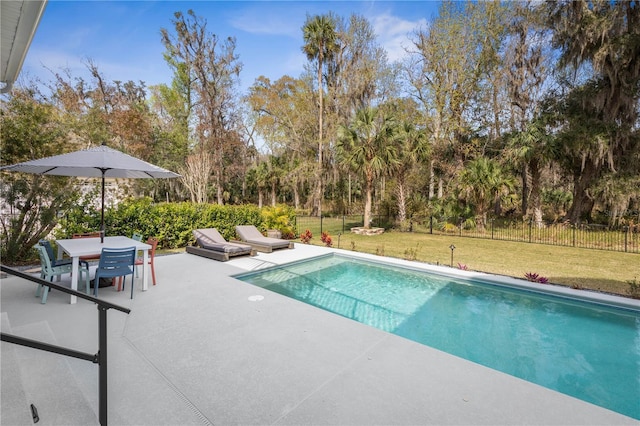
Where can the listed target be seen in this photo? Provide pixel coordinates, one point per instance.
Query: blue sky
(123, 37)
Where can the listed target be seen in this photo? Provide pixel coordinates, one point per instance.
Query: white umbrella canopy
(100, 162)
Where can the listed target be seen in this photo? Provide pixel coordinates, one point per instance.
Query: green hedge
(172, 223)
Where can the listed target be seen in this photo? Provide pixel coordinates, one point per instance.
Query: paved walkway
(196, 349)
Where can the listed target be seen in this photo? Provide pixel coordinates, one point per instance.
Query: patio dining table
(77, 247)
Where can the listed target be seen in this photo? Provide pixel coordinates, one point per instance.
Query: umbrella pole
(102, 212)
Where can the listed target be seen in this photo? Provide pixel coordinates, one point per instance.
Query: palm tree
(412, 147)
(320, 41)
(366, 147)
(531, 149)
(483, 182)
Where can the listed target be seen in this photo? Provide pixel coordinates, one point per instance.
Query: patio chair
(250, 235)
(115, 263)
(153, 242)
(137, 237)
(58, 262)
(212, 245)
(88, 235)
(48, 271)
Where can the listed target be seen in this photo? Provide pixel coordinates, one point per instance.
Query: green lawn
(597, 270)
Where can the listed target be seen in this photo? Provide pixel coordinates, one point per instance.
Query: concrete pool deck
(196, 349)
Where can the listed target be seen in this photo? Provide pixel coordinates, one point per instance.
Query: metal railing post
(99, 358)
(102, 365)
(626, 238)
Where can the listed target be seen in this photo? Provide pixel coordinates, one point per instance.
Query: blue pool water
(586, 350)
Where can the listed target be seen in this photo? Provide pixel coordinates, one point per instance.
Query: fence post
(492, 220)
(460, 226)
(342, 230)
(320, 223)
(431, 224)
(626, 237)
(530, 226)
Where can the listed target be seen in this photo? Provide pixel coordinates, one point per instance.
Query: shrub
(634, 288)
(411, 253)
(306, 236)
(326, 239)
(279, 217)
(171, 223)
(535, 278)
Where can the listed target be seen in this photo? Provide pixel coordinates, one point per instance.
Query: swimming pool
(587, 350)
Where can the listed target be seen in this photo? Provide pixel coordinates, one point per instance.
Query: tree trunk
(582, 203)
(296, 196)
(318, 191)
(525, 191)
(432, 179)
(367, 202)
(219, 189)
(273, 194)
(317, 197)
(536, 197)
(349, 193)
(259, 198)
(402, 202)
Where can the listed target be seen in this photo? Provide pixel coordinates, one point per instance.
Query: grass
(597, 270)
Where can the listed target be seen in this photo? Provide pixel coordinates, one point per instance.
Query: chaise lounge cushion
(251, 235)
(222, 247)
(211, 239)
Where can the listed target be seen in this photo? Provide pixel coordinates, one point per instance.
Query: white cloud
(394, 33)
(270, 21)
(38, 60)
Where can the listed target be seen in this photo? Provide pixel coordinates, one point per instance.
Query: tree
(213, 67)
(412, 148)
(482, 182)
(173, 110)
(358, 76)
(527, 73)
(283, 115)
(600, 36)
(194, 175)
(445, 72)
(531, 147)
(320, 40)
(30, 128)
(366, 147)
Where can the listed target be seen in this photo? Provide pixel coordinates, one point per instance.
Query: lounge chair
(250, 235)
(212, 245)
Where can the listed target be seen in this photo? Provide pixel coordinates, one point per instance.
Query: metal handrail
(99, 358)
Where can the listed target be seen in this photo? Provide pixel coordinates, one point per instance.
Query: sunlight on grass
(597, 270)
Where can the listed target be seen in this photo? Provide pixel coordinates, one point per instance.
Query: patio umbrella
(101, 161)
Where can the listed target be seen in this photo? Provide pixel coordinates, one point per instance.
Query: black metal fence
(624, 238)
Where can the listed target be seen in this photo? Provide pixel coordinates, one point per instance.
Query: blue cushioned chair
(114, 263)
